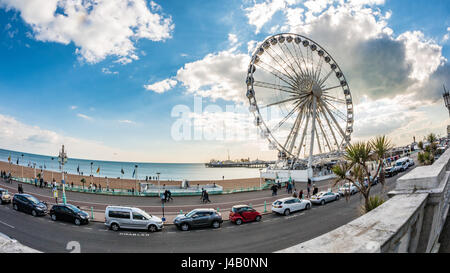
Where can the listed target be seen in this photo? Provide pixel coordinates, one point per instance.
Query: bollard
(265, 206)
(217, 209)
(92, 213)
(181, 211)
(250, 205)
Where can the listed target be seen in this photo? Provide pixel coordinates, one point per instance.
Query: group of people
(290, 188)
(205, 196)
(5, 175)
(166, 196)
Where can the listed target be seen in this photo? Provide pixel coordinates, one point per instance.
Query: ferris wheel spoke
(329, 125)
(337, 111)
(318, 69)
(329, 98)
(280, 65)
(294, 59)
(303, 136)
(335, 122)
(292, 132)
(318, 142)
(274, 86)
(323, 133)
(280, 75)
(330, 88)
(302, 56)
(325, 78)
(296, 127)
(291, 66)
(278, 102)
(284, 119)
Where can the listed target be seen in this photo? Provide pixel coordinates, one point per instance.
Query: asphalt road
(273, 233)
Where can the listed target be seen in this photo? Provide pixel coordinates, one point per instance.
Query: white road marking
(87, 228)
(7, 224)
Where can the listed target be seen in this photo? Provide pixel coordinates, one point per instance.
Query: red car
(244, 213)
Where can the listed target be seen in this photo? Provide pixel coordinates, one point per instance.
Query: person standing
(207, 197)
(55, 194)
(19, 188)
(300, 194)
(308, 190)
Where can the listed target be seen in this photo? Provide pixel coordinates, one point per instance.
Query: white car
(348, 187)
(117, 217)
(324, 197)
(290, 204)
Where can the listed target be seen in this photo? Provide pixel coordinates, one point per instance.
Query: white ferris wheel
(300, 99)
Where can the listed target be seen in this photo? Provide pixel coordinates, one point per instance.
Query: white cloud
(232, 38)
(126, 121)
(161, 86)
(98, 28)
(220, 75)
(73, 107)
(84, 116)
(259, 14)
(106, 70)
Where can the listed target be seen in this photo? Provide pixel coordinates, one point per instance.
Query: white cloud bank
(161, 86)
(98, 28)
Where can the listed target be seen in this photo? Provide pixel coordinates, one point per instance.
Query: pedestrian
(19, 188)
(206, 195)
(308, 189)
(300, 194)
(35, 182)
(41, 181)
(274, 190)
(169, 194)
(203, 194)
(71, 185)
(315, 190)
(163, 198)
(55, 193)
(294, 194)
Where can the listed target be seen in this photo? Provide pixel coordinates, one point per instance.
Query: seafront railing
(195, 191)
(410, 221)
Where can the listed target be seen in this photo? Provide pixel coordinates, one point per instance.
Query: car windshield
(74, 209)
(278, 203)
(148, 216)
(33, 199)
(192, 212)
(398, 163)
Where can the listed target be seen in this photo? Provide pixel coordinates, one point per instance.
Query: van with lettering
(117, 217)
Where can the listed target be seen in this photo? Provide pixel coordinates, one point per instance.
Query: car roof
(206, 209)
(285, 199)
(240, 206)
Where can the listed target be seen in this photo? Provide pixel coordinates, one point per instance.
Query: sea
(112, 169)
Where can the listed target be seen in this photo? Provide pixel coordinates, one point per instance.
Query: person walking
(308, 189)
(300, 194)
(207, 197)
(274, 190)
(41, 181)
(19, 188)
(169, 195)
(55, 194)
(315, 190)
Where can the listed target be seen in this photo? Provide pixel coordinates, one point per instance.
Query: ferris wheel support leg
(313, 129)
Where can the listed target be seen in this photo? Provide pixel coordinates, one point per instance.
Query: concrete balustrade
(410, 221)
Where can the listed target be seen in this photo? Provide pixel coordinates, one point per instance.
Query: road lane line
(7, 224)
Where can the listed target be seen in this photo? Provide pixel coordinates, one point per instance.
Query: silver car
(324, 197)
(117, 217)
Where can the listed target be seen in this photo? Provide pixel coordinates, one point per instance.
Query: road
(273, 233)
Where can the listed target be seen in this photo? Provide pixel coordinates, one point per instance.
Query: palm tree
(355, 170)
(427, 157)
(380, 145)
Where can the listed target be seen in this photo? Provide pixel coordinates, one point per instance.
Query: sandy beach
(16, 170)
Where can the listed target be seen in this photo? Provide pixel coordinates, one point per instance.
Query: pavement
(96, 203)
(273, 233)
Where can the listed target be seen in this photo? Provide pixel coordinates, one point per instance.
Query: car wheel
(15, 207)
(287, 212)
(258, 218)
(152, 228)
(238, 221)
(77, 222)
(308, 206)
(185, 227)
(216, 224)
(115, 227)
(34, 213)
(322, 202)
(53, 216)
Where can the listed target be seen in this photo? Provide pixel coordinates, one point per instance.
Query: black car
(198, 218)
(389, 172)
(29, 204)
(69, 213)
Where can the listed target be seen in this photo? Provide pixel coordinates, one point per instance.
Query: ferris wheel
(300, 98)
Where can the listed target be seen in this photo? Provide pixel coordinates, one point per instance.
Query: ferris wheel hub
(316, 91)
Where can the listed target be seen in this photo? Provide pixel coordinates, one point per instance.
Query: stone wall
(410, 221)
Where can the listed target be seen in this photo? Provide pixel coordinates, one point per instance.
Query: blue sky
(101, 106)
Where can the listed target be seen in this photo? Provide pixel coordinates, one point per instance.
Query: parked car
(117, 217)
(372, 181)
(29, 204)
(69, 213)
(198, 218)
(390, 171)
(290, 204)
(411, 162)
(4, 196)
(402, 164)
(242, 213)
(324, 197)
(348, 188)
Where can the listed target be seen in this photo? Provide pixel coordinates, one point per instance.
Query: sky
(111, 79)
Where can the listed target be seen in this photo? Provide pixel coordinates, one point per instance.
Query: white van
(117, 217)
(402, 164)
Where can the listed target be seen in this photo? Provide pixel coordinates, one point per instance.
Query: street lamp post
(135, 178)
(159, 188)
(62, 159)
(260, 178)
(22, 165)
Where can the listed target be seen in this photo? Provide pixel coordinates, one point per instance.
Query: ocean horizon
(112, 169)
